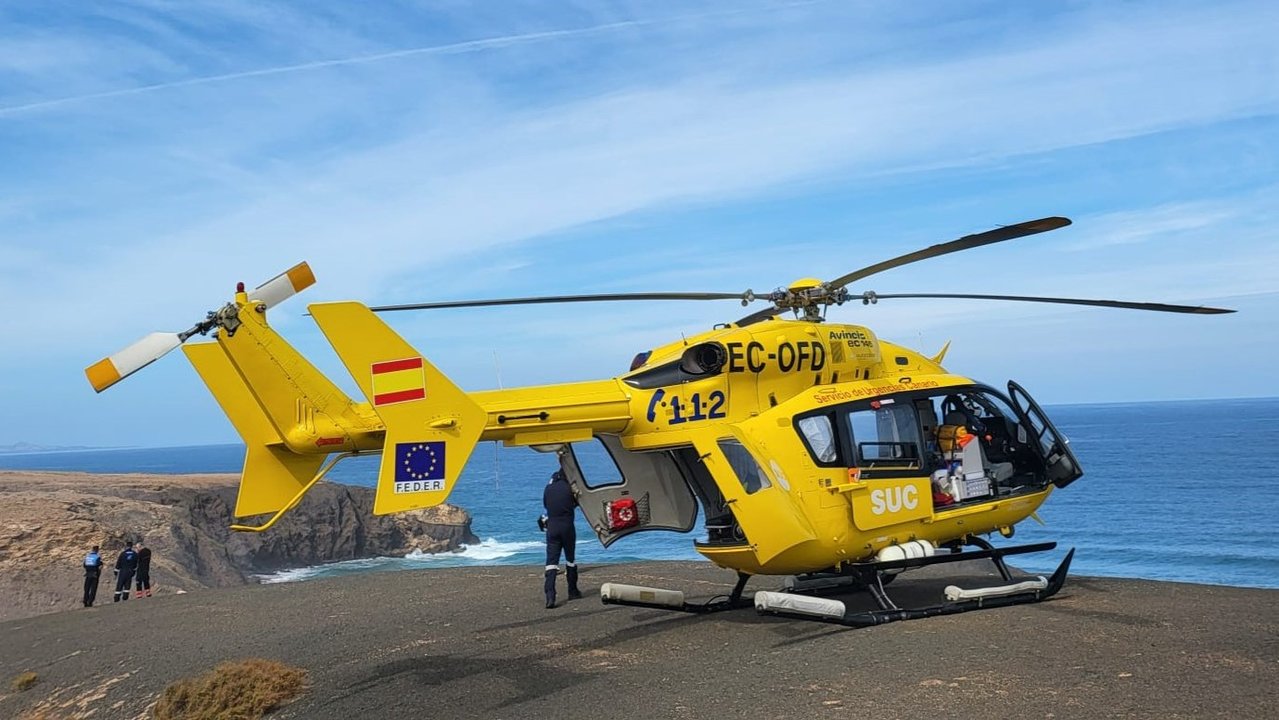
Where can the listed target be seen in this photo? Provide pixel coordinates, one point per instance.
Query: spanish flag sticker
(397, 381)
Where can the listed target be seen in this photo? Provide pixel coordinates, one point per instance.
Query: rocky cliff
(48, 521)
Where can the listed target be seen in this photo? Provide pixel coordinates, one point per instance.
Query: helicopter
(814, 450)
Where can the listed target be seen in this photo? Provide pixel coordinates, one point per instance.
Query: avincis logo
(852, 338)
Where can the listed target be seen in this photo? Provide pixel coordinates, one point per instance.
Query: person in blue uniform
(561, 536)
(125, 566)
(92, 574)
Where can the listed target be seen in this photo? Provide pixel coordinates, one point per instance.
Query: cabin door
(1063, 466)
(759, 497)
(621, 492)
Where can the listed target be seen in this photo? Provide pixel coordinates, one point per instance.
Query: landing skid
(870, 575)
(874, 575)
(636, 596)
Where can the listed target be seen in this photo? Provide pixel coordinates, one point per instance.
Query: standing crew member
(92, 573)
(144, 570)
(125, 566)
(560, 535)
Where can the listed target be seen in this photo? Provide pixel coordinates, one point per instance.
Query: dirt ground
(476, 642)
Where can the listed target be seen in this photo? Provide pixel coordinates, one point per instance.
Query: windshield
(969, 434)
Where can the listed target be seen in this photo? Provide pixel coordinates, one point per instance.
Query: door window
(599, 469)
(819, 436)
(748, 472)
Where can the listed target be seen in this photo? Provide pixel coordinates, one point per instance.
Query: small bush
(240, 690)
(24, 681)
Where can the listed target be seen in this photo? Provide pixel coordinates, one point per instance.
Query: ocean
(1177, 491)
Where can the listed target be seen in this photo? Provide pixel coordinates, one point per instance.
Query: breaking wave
(487, 552)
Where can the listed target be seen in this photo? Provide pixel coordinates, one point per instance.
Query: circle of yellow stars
(408, 456)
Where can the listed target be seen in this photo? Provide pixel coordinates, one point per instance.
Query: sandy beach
(477, 643)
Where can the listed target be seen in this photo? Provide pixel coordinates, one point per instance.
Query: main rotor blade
(759, 316)
(966, 242)
(1157, 307)
(546, 299)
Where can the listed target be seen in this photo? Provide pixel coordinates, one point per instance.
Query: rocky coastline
(48, 521)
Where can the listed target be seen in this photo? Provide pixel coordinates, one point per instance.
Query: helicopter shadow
(531, 676)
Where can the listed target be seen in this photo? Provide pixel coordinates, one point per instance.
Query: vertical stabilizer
(431, 424)
(272, 474)
(941, 354)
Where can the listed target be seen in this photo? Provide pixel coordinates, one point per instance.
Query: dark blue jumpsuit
(125, 565)
(560, 535)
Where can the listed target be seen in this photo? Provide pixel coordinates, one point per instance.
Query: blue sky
(153, 154)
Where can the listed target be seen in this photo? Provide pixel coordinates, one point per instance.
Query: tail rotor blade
(111, 370)
(284, 286)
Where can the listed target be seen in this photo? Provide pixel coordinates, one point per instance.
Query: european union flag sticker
(419, 467)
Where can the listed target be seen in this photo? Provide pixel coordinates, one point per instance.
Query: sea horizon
(1168, 494)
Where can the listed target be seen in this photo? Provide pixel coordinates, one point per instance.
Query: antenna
(497, 468)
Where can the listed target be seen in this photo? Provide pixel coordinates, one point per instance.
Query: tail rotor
(114, 368)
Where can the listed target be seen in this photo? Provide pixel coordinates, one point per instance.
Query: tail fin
(941, 354)
(273, 475)
(431, 424)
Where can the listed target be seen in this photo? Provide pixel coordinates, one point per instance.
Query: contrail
(460, 47)
(451, 48)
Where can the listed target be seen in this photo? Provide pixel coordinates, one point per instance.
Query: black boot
(549, 586)
(571, 575)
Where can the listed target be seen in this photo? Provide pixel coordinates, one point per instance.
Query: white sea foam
(293, 575)
(488, 552)
(490, 549)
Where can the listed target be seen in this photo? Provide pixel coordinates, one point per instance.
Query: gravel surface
(476, 642)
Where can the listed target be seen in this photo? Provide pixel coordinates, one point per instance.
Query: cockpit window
(970, 440)
(748, 472)
(820, 436)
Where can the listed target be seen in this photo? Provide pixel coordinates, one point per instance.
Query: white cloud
(398, 174)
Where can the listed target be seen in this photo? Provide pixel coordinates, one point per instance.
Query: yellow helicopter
(813, 449)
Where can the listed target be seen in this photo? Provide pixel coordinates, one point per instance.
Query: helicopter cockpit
(973, 442)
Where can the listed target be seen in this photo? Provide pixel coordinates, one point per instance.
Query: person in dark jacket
(560, 535)
(125, 566)
(144, 571)
(92, 573)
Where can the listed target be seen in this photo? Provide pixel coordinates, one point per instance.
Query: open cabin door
(759, 499)
(647, 487)
(1062, 466)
